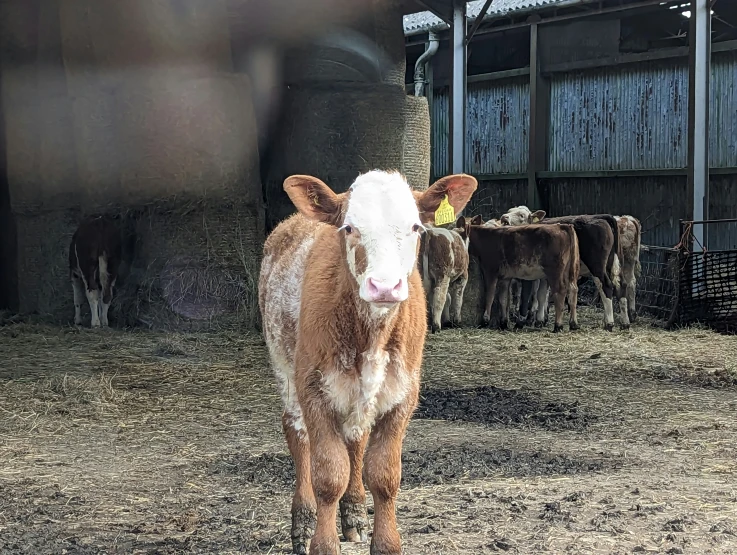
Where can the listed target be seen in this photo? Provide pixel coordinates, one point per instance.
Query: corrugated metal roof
(426, 21)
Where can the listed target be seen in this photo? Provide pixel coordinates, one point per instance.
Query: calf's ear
(314, 199)
(461, 222)
(458, 188)
(537, 216)
(476, 220)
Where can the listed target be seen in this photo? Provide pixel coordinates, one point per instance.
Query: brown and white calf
(598, 239)
(345, 318)
(548, 253)
(444, 256)
(630, 232)
(94, 259)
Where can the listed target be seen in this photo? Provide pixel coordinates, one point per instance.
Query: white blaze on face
(518, 215)
(382, 222)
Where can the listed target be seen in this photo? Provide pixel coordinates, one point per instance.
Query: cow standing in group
(630, 232)
(598, 239)
(344, 318)
(535, 252)
(444, 256)
(518, 290)
(94, 260)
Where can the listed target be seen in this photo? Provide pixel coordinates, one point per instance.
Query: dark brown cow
(94, 259)
(535, 252)
(598, 239)
(444, 256)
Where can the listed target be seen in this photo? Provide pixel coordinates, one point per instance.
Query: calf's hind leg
(439, 297)
(456, 295)
(559, 300)
(79, 296)
(572, 305)
(542, 303)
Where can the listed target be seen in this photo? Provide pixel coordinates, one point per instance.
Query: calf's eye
(348, 229)
(417, 228)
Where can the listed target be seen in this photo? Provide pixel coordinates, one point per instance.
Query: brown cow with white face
(344, 318)
(548, 253)
(444, 256)
(94, 259)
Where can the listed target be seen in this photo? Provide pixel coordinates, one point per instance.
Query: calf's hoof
(609, 327)
(327, 547)
(519, 325)
(624, 327)
(386, 546)
(503, 326)
(354, 522)
(573, 326)
(539, 324)
(434, 328)
(304, 521)
(633, 317)
(557, 328)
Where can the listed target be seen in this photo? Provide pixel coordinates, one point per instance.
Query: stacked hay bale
(157, 129)
(345, 111)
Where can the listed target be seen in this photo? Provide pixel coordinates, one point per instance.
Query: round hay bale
(338, 132)
(162, 136)
(195, 266)
(43, 263)
(416, 137)
(389, 33)
(106, 40)
(370, 49)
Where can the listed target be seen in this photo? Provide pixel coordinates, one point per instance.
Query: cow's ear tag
(445, 213)
(535, 219)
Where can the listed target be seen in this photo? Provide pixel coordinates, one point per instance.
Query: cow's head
(380, 220)
(521, 215)
(463, 226)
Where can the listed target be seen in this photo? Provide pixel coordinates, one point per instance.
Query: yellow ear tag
(445, 213)
(535, 220)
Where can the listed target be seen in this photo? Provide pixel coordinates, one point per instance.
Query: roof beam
(479, 19)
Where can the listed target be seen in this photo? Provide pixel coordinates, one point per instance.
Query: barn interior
(163, 434)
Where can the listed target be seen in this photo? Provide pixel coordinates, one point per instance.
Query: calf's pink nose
(380, 291)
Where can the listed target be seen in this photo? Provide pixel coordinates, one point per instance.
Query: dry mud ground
(137, 442)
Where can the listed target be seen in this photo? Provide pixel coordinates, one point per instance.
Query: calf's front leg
(303, 502)
(353, 517)
(330, 469)
(383, 472)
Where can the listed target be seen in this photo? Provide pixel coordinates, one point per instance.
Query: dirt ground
(586, 442)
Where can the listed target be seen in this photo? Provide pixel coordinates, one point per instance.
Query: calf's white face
(382, 228)
(521, 215)
(380, 220)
